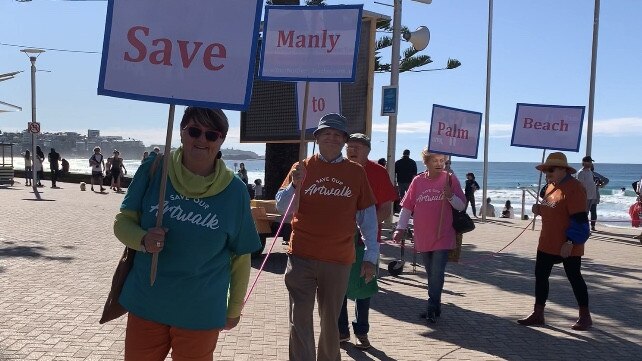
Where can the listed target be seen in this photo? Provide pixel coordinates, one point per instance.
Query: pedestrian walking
(587, 178)
(405, 171)
(97, 164)
(54, 158)
(332, 197)
(565, 229)
(470, 188)
(357, 150)
(203, 247)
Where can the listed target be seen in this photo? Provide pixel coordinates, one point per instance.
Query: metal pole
(33, 119)
(589, 127)
(487, 111)
(394, 81)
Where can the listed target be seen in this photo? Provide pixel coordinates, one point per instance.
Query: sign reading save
(205, 58)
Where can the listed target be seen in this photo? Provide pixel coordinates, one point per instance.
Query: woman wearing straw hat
(565, 229)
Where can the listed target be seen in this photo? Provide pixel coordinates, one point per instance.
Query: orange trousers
(151, 341)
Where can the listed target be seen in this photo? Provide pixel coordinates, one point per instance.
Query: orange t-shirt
(331, 194)
(560, 202)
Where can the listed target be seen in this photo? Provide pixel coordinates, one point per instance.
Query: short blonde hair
(425, 154)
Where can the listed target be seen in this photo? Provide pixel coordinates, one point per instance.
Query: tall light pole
(591, 105)
(394, 82)
(33, 55)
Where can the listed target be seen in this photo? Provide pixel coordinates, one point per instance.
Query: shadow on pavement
(507, 340)
(620, 304)
(31, 252)
(365, 355)
(275, 264)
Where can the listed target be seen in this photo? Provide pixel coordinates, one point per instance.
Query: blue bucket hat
(334, 121)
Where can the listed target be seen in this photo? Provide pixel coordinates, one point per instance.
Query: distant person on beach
(565, 229)
(97, 163)
(470, 188)
(430, 200)
(65, 166)
(637, 186)
(587, 178)
(488, 209)
(28, 169)
(332, 198)
(600, 181)
(258, 189)
(508, 211)
(405, 171)
(37, 163)
(447, 166)
(204, 246)
(242, 173)
(157, 150)
(357, 150)
(54, 165)
(145, 155)
(117, 170)
(382, 162)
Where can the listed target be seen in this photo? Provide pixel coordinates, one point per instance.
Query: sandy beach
(57, 257)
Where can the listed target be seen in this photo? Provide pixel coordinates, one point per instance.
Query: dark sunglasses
(550, 170)
(211, 135)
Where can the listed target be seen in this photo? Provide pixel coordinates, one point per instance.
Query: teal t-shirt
(193, 274)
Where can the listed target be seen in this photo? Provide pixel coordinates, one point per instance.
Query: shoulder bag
(113, 309)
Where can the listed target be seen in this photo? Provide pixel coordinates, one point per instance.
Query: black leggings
(470, 198)
(544, 265)
(593, 212)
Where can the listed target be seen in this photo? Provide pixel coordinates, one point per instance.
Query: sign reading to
(314, 43)
(33, 127)
(389, 100)
(548, 126)
(323, 98)
(454, 131)
(205, 59)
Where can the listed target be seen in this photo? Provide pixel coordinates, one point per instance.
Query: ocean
(504, 182)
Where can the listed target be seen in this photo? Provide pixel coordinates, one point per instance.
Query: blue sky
(541, 54)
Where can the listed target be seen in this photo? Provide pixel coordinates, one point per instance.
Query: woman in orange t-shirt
(565, 228)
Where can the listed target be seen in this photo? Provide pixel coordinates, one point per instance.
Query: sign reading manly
(454, 131)
(314, 43)
(548, 126)
(201, 53)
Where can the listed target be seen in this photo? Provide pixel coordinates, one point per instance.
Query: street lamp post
(33, 55)
(394, 82)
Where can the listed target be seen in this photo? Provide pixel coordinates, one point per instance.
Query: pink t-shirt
(425, 198)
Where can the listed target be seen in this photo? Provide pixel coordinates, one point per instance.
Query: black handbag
(462, 223)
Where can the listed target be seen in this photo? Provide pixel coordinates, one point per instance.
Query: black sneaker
(362, 342)
(431, 317)
(344, 337)
(424, 314)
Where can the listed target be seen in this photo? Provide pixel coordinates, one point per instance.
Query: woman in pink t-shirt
(429, 199)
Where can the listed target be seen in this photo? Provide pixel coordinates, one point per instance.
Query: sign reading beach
(323, 98)
(548, 126)
(313, 43)
(167, 52)
(454, 131)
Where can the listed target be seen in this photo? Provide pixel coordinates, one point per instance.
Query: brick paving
(57, 257)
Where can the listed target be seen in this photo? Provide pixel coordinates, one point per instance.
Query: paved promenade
(57, 257)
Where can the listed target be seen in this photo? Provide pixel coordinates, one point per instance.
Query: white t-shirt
(97, 167)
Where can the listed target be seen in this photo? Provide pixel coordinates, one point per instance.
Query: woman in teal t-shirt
(203, 247)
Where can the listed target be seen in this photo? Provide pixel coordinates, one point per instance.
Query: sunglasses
(550, 170)
(211, 135)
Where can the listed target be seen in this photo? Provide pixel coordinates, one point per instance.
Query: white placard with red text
(323, 98)
(540, 126)
(454, 131)
(168, 51)
(314, 43)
